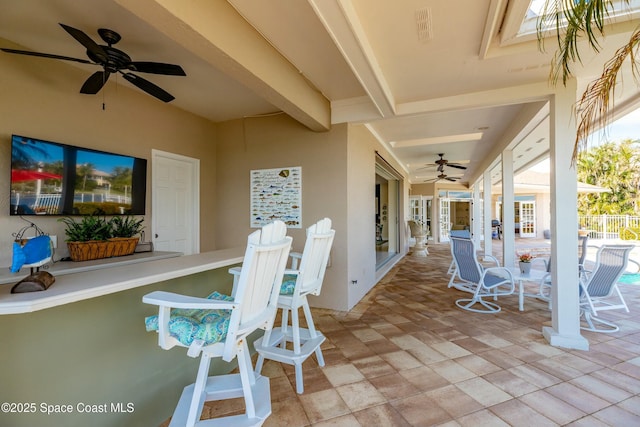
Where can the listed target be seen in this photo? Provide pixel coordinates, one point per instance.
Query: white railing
(607, 226)
(49, 202)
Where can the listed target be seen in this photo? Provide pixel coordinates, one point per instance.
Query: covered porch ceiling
(425, 76)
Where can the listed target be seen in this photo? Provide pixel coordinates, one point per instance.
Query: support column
(476, 215)
(486, 195)
(508, 215)
(565, 315)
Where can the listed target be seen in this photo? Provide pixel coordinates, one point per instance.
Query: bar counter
(82, 344)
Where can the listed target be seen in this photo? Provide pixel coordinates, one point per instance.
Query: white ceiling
(367, 60)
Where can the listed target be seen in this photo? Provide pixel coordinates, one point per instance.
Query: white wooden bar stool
(303, 279)
(218, 326)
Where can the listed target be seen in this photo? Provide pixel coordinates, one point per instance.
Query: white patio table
(534, 276)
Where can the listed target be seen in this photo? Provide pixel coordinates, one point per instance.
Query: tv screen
(49, 178)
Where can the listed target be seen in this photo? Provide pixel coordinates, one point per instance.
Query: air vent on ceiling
(423, 24)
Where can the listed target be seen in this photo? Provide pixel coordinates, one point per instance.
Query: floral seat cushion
(187, 325)
(288, 284)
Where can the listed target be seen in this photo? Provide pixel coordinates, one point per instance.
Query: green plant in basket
(89, 228)
(126, 226)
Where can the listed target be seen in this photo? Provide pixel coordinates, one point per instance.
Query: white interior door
(445, 219)
(175, 203)
(527, 219)
(417, 208)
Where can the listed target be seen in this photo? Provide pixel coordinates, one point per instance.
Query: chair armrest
(546, 278)
(537, 259)
(491, 258)
(502, 271)
(170, 299)
(235, 270)
(295, 259)
(636, 263)
(291, 271)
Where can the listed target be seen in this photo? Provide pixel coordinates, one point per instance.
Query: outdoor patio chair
(218, 327)
(486, 261)
(304, 278)
(599, 290)
(485, 282)
(544, 292)
(420, 234)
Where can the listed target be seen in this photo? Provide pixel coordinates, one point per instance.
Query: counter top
(91, 279)
(60, 268)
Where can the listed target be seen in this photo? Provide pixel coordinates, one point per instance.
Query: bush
(630, 233)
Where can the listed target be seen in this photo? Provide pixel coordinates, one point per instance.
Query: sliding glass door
(387, 190)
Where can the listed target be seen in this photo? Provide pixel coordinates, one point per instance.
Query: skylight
(521, 24)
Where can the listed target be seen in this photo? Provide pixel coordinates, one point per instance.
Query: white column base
(576, 342)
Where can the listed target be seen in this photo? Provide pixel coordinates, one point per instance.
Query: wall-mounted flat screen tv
(49, 178)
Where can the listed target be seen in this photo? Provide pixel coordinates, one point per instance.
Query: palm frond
(594, 105)
(572, 20)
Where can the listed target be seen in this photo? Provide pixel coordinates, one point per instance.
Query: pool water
(630, 279)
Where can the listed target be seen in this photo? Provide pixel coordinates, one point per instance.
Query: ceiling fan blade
(86, 41)
(454, 165)
(148, 87)
(45, 55)
(95, 82)
(425, 167)
(156, 68)
(451, 179)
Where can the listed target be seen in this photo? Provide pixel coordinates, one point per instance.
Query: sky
(105, 162)
(627, 127)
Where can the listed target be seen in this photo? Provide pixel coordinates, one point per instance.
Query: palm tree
(613, 166)
(572, 21)
(85, 170)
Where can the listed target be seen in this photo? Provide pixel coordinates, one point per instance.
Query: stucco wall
(338, 181)
(279, 141)
(41, 99)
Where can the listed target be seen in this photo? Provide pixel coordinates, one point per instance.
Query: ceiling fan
(112, 60)
(442, 176)
(442, 162)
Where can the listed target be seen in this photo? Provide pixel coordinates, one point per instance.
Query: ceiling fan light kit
(441, 163)
(443, 176)
(112, 61)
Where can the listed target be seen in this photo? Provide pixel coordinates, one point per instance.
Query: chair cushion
(288, 284)
(187, 325)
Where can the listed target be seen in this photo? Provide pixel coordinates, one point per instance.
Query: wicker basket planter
(96, 249)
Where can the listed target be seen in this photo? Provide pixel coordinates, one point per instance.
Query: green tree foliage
(83, 177)
(614, 166)
(121, 178)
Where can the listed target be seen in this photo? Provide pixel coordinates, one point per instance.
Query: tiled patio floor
(407, 356)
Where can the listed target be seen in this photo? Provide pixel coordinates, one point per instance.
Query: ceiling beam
(503, 96)
(531, 115)
(218, 34)
(343, 25)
